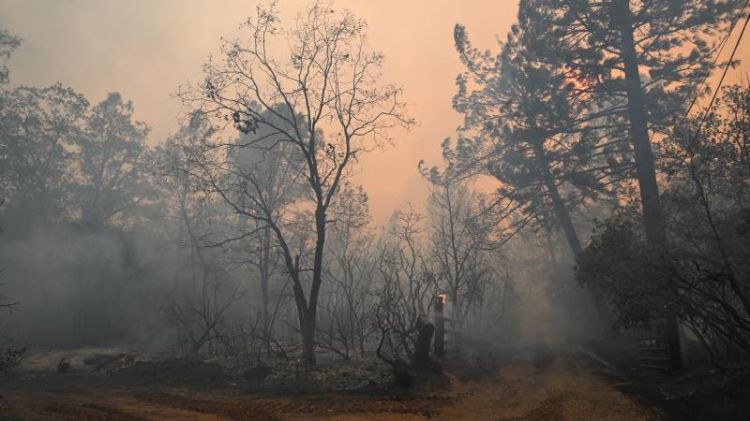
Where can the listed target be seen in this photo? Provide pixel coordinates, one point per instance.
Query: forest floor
(541, 385)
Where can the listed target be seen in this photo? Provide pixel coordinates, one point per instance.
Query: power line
(724, 73)
(722, 44)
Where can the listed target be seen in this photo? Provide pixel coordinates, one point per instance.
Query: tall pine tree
(641, 61)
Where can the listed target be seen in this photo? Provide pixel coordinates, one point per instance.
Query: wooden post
(440, 327)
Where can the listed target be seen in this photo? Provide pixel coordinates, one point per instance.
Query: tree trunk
(455, 309)
(561, 212)
(653, 216)
(306, 329)
(308, 342)
(425, 330)
(439, 330)
(264, 265)
(603, 311)
(309, 323)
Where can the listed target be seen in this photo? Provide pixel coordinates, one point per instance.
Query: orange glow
(145, 49)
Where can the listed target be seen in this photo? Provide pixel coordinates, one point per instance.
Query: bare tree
(325, 78)
(345, 324)
(199, 308)
(408, 288)
(205, 290)
(461, 235)
(274, 168)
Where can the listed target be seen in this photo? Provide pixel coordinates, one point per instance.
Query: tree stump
(425, 331)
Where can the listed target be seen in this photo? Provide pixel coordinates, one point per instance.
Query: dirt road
(549, 388)
(544, 387)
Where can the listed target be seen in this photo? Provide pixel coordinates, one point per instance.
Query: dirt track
(551, 387)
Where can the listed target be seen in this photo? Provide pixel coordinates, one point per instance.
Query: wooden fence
(653, 351)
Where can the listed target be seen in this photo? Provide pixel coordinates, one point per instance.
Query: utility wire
(716, 60)
(724, 73)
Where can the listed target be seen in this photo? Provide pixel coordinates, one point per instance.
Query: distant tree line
(245, 235)
(242, 234)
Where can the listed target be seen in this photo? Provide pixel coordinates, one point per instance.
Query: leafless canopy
(311, 93)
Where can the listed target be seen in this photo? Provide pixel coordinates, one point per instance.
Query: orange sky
(146, 48)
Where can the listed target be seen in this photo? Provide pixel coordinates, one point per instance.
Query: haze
(144, 49)
(360, 209)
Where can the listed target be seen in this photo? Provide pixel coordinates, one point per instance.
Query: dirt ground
(542, 387)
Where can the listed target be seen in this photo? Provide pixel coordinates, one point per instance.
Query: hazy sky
(146, 48)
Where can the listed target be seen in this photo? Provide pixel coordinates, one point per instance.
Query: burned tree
(326, 82)
(275, 169)
(461, 238)
(204, 291)
(346, 321)
(404, 298)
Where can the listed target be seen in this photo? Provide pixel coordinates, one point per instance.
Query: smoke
(79, 288)
(553, 309)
